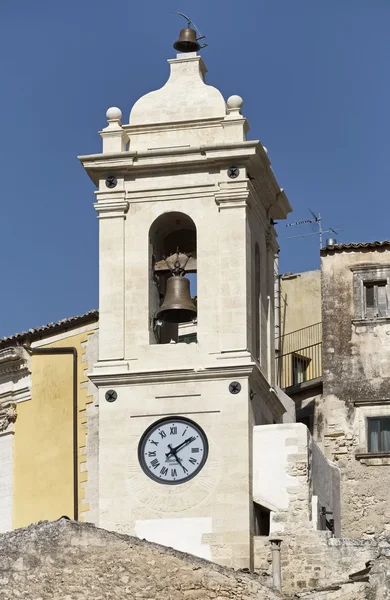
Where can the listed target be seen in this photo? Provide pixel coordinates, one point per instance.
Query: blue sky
(314, 78)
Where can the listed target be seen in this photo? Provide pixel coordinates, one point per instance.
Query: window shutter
(382, 300)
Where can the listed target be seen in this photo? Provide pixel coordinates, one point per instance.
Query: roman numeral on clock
(163, 434)
(155, 463)
(193, 460)
(153, 453)
(194, 450)
(164, 471)
(173, 430)
(173, 473)
(153, 442)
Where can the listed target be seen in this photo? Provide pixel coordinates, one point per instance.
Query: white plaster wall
(169, 532)
(6, 481)
(272, 445)
(326, 484)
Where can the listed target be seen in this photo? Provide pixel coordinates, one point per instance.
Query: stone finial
(114, 137)
(234, 104)
(114, 115)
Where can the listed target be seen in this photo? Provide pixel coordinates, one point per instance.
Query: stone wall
(356, 370)
(74, 561)
(291, 476)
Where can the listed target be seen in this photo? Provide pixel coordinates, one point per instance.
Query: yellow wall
(300, 304)
(43, 442)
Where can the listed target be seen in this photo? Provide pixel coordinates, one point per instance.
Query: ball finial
(235, 102)
(114, 113)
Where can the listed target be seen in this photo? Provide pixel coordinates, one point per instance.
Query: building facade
(48, 423)
(356, 360)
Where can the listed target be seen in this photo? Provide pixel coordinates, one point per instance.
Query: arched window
(173, 271)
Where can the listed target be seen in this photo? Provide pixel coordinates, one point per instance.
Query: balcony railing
(307, 336)
(300, 356)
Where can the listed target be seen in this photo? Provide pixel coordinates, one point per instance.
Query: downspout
(73, 351)
(277, 302)
(277, 310)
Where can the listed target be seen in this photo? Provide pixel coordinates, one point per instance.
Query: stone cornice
(173, 126)
(174, 159)
(176, 375)
(107, 209)
(13, 360)
(232, 194)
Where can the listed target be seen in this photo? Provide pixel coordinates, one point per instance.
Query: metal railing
(301, 338)
(300, 365)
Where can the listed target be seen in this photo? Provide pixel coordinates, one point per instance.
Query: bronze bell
(187, 41)
(177, 306)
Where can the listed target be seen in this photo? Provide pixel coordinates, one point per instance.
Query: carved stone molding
(7, 415)
(15, 377)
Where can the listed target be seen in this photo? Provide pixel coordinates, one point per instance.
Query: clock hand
(173, 451)
(180, 446)
(181, 464)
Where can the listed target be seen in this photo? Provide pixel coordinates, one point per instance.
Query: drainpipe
(73, 351)
(277, 303)
(276, 565)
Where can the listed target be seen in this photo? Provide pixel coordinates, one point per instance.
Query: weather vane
(189, 36)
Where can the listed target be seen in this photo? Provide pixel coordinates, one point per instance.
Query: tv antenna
(317, 221)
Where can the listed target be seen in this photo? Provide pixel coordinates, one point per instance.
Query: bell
(187, 41)
(177, 306)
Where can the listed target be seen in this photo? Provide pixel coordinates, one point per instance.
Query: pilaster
(111, 208)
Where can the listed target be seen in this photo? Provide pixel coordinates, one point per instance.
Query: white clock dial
(172, 451)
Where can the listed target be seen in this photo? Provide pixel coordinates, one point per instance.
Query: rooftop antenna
(317, 220)
(189, 36)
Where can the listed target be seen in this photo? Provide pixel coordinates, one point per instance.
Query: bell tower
(186, 244)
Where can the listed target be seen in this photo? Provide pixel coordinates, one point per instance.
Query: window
(375, 299)
(262, 519)
(300, 365)
(378, 434)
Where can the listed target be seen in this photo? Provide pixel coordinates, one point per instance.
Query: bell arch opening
(172, 279)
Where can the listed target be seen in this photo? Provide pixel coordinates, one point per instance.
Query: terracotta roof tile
(50, 328)
(355, 246)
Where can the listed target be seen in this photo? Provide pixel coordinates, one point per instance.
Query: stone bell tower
(182, 194)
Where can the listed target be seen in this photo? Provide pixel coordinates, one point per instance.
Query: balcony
(299, 356)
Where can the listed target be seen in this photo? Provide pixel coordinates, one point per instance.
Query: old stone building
(356, 398)
(349, 414)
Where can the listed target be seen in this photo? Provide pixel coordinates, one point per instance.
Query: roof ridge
(57, 326)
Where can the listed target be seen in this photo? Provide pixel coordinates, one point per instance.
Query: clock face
(173, 450)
